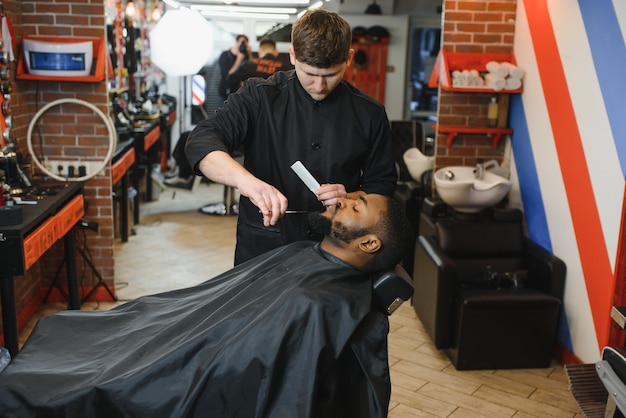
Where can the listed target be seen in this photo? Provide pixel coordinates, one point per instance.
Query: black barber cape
(289, 334)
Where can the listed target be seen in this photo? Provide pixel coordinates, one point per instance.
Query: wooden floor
(175, 246)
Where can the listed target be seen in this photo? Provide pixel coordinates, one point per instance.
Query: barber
(309, 114)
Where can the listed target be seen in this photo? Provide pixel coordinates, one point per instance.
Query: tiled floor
(175, 246)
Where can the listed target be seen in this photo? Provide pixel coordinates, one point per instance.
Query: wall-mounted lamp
(156, 15)
(130, 9)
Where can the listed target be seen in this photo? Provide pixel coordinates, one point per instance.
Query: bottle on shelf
(492, 113)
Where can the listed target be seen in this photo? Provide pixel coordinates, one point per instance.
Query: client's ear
(369, 243)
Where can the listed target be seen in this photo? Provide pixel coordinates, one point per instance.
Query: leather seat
(390, 289)
(612, 373)
(487, 295)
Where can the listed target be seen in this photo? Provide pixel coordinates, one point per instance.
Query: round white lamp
(181, 43)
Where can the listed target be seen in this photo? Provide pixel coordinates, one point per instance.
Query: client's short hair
(396, 233)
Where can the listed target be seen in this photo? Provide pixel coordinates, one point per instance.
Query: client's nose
(342, 202)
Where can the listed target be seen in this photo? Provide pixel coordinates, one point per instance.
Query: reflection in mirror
(425, 44)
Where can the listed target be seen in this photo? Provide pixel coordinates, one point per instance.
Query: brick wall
(479, 26)
(65, 131)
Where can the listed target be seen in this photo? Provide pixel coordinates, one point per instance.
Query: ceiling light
(243, 9)
(258, 2)
(260, 16)
(172, 3)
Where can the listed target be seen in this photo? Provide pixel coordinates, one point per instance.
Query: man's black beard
(320, 224)
(333, 230)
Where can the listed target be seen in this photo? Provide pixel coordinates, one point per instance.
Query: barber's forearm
(220, 167)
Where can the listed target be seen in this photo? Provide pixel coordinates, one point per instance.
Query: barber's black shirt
(345, 138)
(256, 67)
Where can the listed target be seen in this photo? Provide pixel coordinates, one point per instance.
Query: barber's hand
(329, 194)
(271, 202)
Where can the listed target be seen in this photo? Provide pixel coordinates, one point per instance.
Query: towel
(459, 79)
(7, 37)
(495, 82)
(494, 67)
(514, 70)
(513, 83)
(475, 80)
(467, 78)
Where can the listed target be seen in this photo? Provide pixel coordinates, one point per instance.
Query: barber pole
(198, 91)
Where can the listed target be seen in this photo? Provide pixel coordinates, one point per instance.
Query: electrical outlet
(57, 167)
(63, 167)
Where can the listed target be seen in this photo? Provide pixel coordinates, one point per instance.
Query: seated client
(291, 333)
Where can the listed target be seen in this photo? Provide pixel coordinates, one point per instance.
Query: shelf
(447, 62)
(100, 60)
(452, 131)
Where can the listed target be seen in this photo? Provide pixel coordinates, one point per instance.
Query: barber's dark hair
(241, 36)
(321, 38)
(396, 234)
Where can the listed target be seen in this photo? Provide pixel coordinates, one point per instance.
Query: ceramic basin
(459, 188)
(417, 163)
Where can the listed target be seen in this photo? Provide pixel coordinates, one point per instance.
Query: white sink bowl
(459, 188)
(417, 163)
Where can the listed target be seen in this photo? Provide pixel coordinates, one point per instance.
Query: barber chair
(487, 295)
(610, 391)
(612, 372)
(390, 289)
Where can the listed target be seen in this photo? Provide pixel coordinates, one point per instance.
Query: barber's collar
(305, 94)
